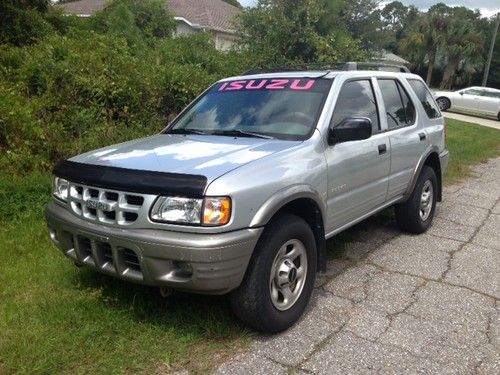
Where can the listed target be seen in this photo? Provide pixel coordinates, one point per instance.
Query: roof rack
(351, 65)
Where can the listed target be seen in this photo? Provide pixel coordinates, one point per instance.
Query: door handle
(382, 149)
(422, 136)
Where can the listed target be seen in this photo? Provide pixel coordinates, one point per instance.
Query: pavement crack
(489, 324)
(439, 281)
(390, 346)
(413, 300)
(463, 244)
(319, 346)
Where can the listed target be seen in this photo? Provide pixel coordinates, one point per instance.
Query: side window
(473, 92)
(425, 97)
(356, 99)
(399, 108)
(491, 94)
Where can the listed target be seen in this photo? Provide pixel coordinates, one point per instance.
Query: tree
(462, 44)
(278, 32)
(22, 21)
(424, 39)
(151, 17)
(395, 18)
(361, 17)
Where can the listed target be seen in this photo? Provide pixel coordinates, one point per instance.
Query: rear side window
(400, 110)
(425, 97)
(491, 94)
(356, 99)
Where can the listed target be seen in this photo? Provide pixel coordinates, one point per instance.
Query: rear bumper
(444, 157)
(203, 263)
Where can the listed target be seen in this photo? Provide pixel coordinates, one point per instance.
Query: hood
(207, 155)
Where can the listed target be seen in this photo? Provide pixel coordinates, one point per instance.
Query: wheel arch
(304, 202)
(430, 159)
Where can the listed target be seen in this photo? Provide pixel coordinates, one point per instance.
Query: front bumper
(203, 263)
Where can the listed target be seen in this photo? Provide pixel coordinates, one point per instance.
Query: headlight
(60, 188)
(209, 211)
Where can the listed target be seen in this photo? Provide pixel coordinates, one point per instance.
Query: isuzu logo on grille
(97, 205)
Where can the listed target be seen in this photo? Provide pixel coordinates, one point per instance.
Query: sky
(487, 7)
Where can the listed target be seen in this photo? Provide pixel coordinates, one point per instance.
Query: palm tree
(422, 41)
(462, 45)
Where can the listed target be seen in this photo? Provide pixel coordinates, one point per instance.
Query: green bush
(71, 93)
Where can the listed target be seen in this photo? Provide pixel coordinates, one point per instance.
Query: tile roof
(206, 14)
(84, 7)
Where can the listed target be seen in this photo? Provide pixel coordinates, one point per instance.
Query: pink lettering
(236, 85)
(307, 86)
(223, 86)
(277, 84)
(250, 85)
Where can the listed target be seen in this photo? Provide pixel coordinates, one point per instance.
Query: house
(213, 16)
(388, 57)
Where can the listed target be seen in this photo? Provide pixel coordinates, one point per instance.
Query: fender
(281, 198)
(418, 169)
(287, 195)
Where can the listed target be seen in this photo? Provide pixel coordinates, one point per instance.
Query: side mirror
(350, 129)
(461, 93)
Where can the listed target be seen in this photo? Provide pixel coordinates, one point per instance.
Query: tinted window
(399, 108)
(356, 99)
(491, 94)
(425, 98)
(473, 92)
(284, 108)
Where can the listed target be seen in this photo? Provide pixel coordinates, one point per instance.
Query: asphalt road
(476, 120)
(397, 303)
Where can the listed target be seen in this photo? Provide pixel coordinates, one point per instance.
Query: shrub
(72, 93)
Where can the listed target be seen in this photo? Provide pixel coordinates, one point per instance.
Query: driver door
(358, 171)
(468, 100)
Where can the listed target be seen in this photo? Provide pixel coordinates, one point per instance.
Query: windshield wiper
(187, 131)
(239, 132)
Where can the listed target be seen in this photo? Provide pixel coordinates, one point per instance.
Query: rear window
(425, 97)
(285, 108)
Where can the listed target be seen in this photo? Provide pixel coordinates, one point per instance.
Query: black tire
(443, 103)
(408, 215)
(498, 116)
(251, 301)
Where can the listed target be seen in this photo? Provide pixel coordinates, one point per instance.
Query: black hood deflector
(132, 180)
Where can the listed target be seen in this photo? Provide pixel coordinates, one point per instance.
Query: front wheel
(280, 277)
(416, 214)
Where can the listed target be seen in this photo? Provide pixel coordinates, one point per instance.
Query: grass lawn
(468, 144)
(56, 318)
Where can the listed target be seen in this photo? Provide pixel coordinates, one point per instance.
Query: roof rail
(351, 65)
(354, 65)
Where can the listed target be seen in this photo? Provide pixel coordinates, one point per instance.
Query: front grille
(106, 206)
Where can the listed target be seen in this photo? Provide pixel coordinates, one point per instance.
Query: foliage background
(71, 84)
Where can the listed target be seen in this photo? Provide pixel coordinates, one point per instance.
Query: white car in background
(476, 100)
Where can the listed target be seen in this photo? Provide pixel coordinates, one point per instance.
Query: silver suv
(241, 191)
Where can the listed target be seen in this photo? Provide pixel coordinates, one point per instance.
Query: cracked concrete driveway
(396, 303)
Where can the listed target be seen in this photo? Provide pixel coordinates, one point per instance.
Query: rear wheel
(280, 277)
(443, 103)
(416, 214)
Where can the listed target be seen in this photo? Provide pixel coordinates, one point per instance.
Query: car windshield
(285, 108)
